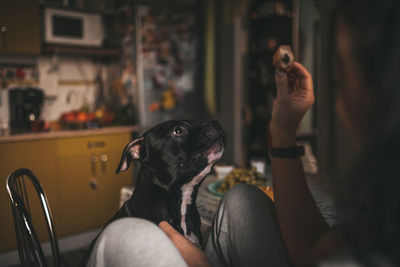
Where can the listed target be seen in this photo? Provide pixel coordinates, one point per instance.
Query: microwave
(76, 28)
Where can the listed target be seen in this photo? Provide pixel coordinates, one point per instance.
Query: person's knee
(125, 233)
(245, 196)
(135, 240)
(129, 226)
(246, 216)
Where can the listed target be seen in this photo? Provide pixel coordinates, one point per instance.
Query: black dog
(175, 157)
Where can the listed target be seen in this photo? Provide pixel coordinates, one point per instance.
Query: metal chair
(29, 248)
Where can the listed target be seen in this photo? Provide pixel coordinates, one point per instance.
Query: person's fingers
(292, 85)
(172, 234)
(300, 71)
(282, 84)
(292, 76)
(168, 229)
(303, 78)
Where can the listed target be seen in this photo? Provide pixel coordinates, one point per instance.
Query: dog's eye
(178, 131)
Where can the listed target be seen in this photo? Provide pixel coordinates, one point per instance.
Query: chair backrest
(29, 248)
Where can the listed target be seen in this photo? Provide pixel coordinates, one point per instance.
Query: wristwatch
(291, 152)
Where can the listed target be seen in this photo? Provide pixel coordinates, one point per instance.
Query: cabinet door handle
(103, 158)
(93, 159)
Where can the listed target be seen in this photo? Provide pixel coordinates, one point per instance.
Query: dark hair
(375, 29)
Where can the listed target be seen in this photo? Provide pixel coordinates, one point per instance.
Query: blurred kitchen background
(80, 78)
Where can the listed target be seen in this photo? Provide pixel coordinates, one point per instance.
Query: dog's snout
(206, 135)
(214, 130)
(219, 128)
(215, 124)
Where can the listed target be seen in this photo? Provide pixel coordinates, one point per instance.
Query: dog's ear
(133, 151)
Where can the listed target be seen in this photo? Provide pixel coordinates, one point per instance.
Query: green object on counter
(213, 188)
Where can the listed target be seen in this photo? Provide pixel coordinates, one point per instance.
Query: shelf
(78, 50)
(19, 82)
(105, 10)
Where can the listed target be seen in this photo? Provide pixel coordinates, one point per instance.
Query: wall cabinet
(78, 176)
(20, 27)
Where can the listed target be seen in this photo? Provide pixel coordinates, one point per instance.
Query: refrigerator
(168, 60)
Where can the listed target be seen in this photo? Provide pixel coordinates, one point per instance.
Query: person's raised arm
(300, 221)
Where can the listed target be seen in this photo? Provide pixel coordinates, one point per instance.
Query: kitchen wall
(68, 83)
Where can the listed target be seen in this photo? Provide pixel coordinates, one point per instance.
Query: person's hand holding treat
(295, 95)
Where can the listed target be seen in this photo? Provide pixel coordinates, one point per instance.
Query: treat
(283, 58)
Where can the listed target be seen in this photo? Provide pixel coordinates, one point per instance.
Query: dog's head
(177, 151)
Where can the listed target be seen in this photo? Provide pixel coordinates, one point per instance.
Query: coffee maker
(25, 108)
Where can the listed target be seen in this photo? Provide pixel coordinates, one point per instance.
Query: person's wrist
(282, 137)
(283, 140)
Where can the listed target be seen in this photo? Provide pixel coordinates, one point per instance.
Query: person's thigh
(134, 242)
(245, 231)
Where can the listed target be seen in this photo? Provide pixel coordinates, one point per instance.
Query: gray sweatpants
(134, 242)
(245, 232)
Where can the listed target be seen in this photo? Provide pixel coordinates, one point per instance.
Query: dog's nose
(215, 125)
(215, 129)
(218, 126)
(207, 134)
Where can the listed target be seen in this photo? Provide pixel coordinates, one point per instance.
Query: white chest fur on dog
(187, 190)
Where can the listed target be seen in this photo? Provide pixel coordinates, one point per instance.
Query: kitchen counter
(67, 133)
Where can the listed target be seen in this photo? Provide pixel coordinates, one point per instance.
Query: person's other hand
(190, 252)
(295, 95)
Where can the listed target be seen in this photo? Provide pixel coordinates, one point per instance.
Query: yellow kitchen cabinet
(78, 176)
(89, 188)
(39, 156)
(20, 27)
